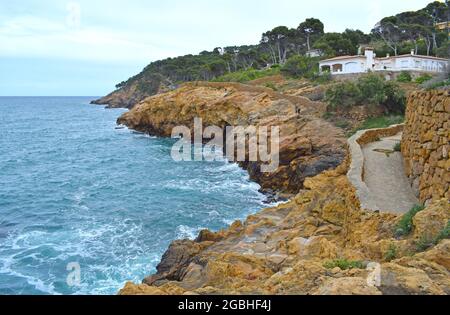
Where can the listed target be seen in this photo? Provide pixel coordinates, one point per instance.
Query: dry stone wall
(426, 144)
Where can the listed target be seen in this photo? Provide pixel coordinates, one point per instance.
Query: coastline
(289, 248)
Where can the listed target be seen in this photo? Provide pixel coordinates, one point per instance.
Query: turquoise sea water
(73, 189)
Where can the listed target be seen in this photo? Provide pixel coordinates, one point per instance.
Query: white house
(370, 62)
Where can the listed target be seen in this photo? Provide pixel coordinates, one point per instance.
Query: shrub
(247, 75)
(423, 78)
(344, 264)
(301, 67)
(370, 89)
(322, 78)
(391, 253)
(405, 226)
(425, 242)
(445, 234)
(343, 95)
(443, 79)
(395, 101)
(404, 77)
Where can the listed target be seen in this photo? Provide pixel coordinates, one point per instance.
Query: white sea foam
(186, 232)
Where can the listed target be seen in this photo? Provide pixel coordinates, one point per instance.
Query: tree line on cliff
(397, 34)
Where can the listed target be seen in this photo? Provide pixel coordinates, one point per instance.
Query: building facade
(370, 62)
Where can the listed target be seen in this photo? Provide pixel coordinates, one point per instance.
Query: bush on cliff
(423, 78)
(404, 77)
(344, 264)
(301, 67)
(405, 226)
(370, 89)
(247, 75)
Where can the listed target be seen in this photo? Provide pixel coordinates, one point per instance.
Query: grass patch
(344, 264)
(438, 85)
(425, 243)
(379, 122)
(423, 78)
(398, 147)
(392, 253)
(405, 226)
(247, 75)
(445, 234)
(272, 86)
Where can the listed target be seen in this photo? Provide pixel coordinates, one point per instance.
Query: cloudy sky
(85, 47)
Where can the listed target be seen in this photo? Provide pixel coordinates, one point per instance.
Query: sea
(86, 206)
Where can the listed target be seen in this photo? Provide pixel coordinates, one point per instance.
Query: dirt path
(384, 175)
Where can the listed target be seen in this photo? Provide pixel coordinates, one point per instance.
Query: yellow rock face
(288, 256)
(310, 244)
(430, 222)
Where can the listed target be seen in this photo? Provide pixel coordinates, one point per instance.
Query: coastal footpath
(320, 242)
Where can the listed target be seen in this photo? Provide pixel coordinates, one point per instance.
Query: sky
(86, 47)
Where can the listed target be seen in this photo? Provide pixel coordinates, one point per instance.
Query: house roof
(417, 56)
(383, 58)
(344, 58)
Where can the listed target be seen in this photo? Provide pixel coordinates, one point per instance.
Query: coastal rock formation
(321, 242)
(296, 247)
(136, 91)
(308, 144)
(426, 144)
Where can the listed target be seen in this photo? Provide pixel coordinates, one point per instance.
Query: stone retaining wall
(426, 144)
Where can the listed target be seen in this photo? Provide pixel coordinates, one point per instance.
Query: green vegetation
(247, 75)
(379, 122)
(398, 147)
(445, 234)
(404, 77)
(439, 84)
(370, 89)
(405, 226)
(301, 67)
(392, 253)
(285, 47)
(272, 86)
(425, 243)
(344, 264)
(322, 78)
(423, 78)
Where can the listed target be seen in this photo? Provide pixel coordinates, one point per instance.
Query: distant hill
(395, 35)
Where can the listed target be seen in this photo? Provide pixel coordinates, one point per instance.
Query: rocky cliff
(319, 243)
(308, 144)
(426, 144)
(135, 91)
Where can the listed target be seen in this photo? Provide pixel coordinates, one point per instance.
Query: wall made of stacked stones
(426, 144)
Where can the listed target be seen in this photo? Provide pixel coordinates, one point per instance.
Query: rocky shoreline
(309, 145)
(321, 241)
